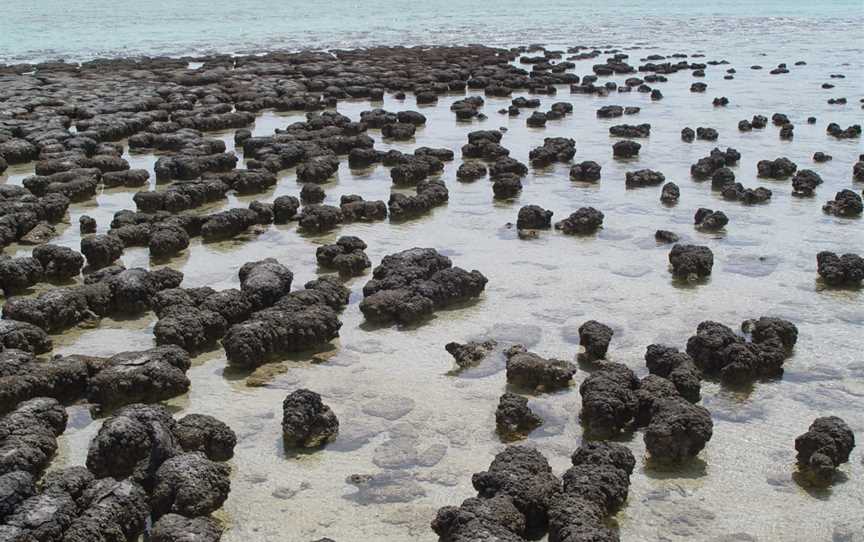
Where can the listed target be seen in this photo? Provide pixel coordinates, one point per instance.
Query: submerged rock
(411, 284)
(824, 447)
(530, 371)
(306, 421)
(514, 419)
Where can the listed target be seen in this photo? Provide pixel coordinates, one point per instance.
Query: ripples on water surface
(539, 291)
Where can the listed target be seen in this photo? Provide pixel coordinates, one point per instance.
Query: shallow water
(402, 411)
(36, 30)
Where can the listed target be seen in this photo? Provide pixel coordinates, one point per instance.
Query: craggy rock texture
(514, 419)
(585, 221)
(150, 375)
(530, 371)
(844, 270)
(534, 217)
(609, 400)
(678, 430)
(709, 220)
(644, 177)
(23, 377)
(28, 435)
(191, 485)
(719, 351)
(846, 204)
(471, 353)
(824, 447)
(522, 474)
(781, 168)
(201, 433)
(306, 421)
(587, 171)
(410, 285)
(595, 337)
(24, 336)
(300, 320)
(114, 291)
(347, 256)
(594, 488)
(677, 367)
(58, 262)
(691, 260)
(177, 528)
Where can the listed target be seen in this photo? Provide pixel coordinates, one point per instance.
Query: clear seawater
(439, 427)
(74, 30)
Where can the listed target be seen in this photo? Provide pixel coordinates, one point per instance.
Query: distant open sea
(39, 30)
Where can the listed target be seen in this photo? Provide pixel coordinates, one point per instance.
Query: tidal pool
(420, 429)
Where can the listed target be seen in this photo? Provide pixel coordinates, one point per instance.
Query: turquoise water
(36, 30)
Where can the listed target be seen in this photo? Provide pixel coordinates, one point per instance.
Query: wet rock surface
(133, 139)
(412, 284)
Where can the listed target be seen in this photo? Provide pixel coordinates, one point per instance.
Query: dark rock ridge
(412, 284)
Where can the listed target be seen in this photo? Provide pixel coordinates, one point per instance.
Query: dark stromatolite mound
(846, 204)
(101, 250)
(429, 194)
(824, 447)
(470, 171)
(15, 487)
(306, 421)
(652, 388)
(264, 282)
(355, 208)
(191, 485)
(666, 236)
(670, 193)
(300, 320)
(534, 217)
(844, 270)
(705, 167)
(113, 509)
(719, 351)
(23, 377)
(625, 149)
(609, 402)
(347, 255)
(514, 419)
(411, 284)
(554, 149)
(687, 260)
(133, 443)
(584, 221)
(59, 262)
(587, 171)
(201, 433)
(710, 220)
(595, 487)
(858, 171)
(319, 217)
(748, 196)
(177, 528)
(643, 177)
(494, 519)
(677, 367)
(118, 291)
(630, 130)
(19, 273)
(595, 337)
(470, 353)
(28, 435)
(781, 168)
(522, 474)
(805, 181)
(150, 375)
(678, 430)
(530, 371)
